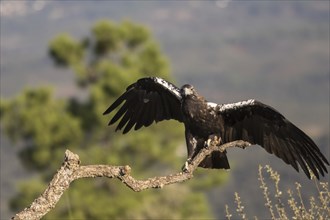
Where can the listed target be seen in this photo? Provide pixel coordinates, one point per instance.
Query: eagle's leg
(192, 152)
(191, 148)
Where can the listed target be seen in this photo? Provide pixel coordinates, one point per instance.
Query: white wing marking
(236, 105)
(212, 104)
(169, 86)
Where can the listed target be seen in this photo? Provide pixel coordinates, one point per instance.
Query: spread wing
(147, 100)
(260, 124)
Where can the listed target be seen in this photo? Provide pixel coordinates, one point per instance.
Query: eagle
(153, 99)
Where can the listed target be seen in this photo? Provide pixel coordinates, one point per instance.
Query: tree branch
(71, 170)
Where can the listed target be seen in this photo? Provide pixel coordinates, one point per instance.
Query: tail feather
(216, 160)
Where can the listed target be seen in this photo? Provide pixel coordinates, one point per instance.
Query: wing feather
(152, 110)
(118, 101)
(130, 100)
(124, 120)
(147, 100)
(133, 119)
(120, 113)
(292, 158)
(260, 124)
(144, 114)
(159, 115)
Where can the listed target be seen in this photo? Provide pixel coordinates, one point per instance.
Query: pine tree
(104, 63)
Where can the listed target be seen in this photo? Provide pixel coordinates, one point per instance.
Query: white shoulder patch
(236, 105)
(212, 104)
(168, 86)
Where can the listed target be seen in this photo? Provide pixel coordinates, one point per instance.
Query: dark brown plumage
(154, 99)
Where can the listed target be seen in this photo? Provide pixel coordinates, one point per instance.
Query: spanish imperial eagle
(154, 99)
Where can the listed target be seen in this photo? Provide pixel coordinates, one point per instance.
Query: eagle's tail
(216, 160)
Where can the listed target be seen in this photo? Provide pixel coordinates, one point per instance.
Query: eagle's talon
(207, 143)
(185, 167)
(213, 139)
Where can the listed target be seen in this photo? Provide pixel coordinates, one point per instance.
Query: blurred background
(63, 63)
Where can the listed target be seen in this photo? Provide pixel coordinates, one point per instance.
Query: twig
(71, 171)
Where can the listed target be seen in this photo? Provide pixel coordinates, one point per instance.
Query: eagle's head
(187, 90)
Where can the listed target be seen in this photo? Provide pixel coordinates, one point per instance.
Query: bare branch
(71, 170)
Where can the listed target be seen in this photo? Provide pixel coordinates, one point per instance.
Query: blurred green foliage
(104, 63)
(65, 50)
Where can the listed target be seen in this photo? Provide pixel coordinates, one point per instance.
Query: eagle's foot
(207, 143)
(212, 140)
(185, 167)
